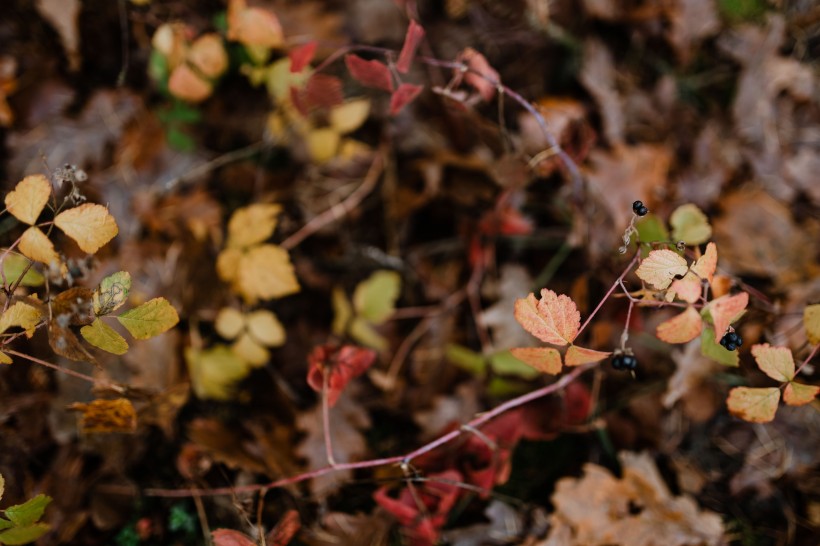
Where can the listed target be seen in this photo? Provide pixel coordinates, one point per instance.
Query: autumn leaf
(341, 364)
(776, 362)
(300, 56)
(660, 267)
(690, 225)
(106, 416)
(186, 84)
(753, 404)
(35, 245)
(369, 73)
(208, 56)
(715, 351)
(266, 328)
(704, 267)
(265, 272)
(24, 534)
(227, 264)
(349, 116)
(149, 319)
(112, 293)
(725, 310)
(322, 144)
(688, 289)
(404, 95)
(576, 356)
(28, 198)
(798, 394)
(229, 537)
(543, 359)
(250, 351)
(681, 328)
(811, 321)
(4, 359)
(229, 322)
(253, 26)
(252, 224)
(414, 35)
(552, 319)
(64, 342)
(285, 529)
(90, 225)
(482, 76)
(102, 336)
(214, 372)
(23, 315)
(375, 298)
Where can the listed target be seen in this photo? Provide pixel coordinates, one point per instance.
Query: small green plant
(21, 524)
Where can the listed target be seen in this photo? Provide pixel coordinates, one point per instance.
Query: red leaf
(415, 33)
(369, 73)
(301, 56)
(323, 91)
(297, 97)
(577, 403)
(283, 533)
(481, 73)
(403, 96)
(342, 363)
(228, 537)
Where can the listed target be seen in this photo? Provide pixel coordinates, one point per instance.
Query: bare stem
(808, 358)
(326, 418)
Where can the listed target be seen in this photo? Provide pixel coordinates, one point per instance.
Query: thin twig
(808, 358)
(326, 418)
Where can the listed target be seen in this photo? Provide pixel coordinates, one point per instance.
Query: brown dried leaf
(106, 416)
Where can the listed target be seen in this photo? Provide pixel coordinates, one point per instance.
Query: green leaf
(342, 311)
(690, 225)
(714, 351)
(215, 372)
(504, 363)
(112, 293)
(469, 361)
(28, 512)
(500, 387)
(13, 267)
(24, 534)
(651, 229)
(5, 524)
(149, 319)
(375, 298)
(364, 333)
(180, 140)
(102, 336)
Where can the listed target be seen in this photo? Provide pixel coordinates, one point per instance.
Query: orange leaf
(705, 266)
(229, 537)
(687, 289)
(103, 416)
(577, 356)
(28, 198)
(35, 245)
(776, 362)
(755, 405)
(543, 359)
(660, 267)
(725, 310)
(681, 328)
(797, 394)
(552, 319)
(187, 85)
(253, 26)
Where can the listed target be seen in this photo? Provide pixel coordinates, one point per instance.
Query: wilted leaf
(265, 328)
(681, 328)
(552, 319)
(102, 336)
(112, 293)
(404, 95)
(249, 350)
(149, 319)
(90, 225)
(755, 405)
(543, 359)
(28, 512)
(705, 266)
(214, 372)
(229, 322)
(20, 314)
(24, 535)
(35, 245)
(725, 310)
(715, 351)
(341, 364)
(265, 272)
(228, 537)
(105, 416)
(660, 267)
(797, 394)
(690, 225)
(776, 362)
(13, 267)
(63, 342)
(811, 321)
(28, 198)
(375, 298)
(322, 144)
(349, 116)
(576, 356)
(369, 73)
(415, 33)
(252, 224)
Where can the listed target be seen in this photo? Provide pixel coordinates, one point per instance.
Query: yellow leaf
(208, 55)
(681, 328)
(755, 405)
(102, 336)
(229, 322)
(690, 225)
(227, 264)
(705, 266)
(214, 372)
(250, 351)
(265, 272)
(776, 362)
(725, 310)
(660, 267)
(342, 311)
(543, 359)
(20, 314)
(28, 198)
(265, 328)
(90, 225)
(322, 144)
(149, 319)
(375, 298)
(797, 394)
(4, 359)
(363, 332)
(577, 356)
(349, 116)
(553, 319)
(253, 224)
(106, 416)
(811, 321)
(35, 245)
(112, 293)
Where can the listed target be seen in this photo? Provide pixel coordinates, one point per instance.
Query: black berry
(731, 341)
(624, 362)
(641, 211)
(636, 205)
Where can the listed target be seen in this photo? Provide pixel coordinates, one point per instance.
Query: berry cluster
(639, 209)
(622, 361)
(731, 341)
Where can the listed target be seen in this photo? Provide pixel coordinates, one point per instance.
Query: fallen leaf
(725, 310)
(553, 319)
(690, 225)
(104, 337)
(543, 359)
(90, 225)
(681, 328)
(107, 416)
(149, 319)
(660, 267)
(776, 362)
(28, 198)
(576, 356)
(797, 394)
(753, 404)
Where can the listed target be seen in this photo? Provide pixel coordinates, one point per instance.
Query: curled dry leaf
(543, 359)
(106, 416)
(681, 328)
(28, 198)
(753, 404)
(577, 356)
(90, 225)
(552, 319)
(725, 310)
(660, 267)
